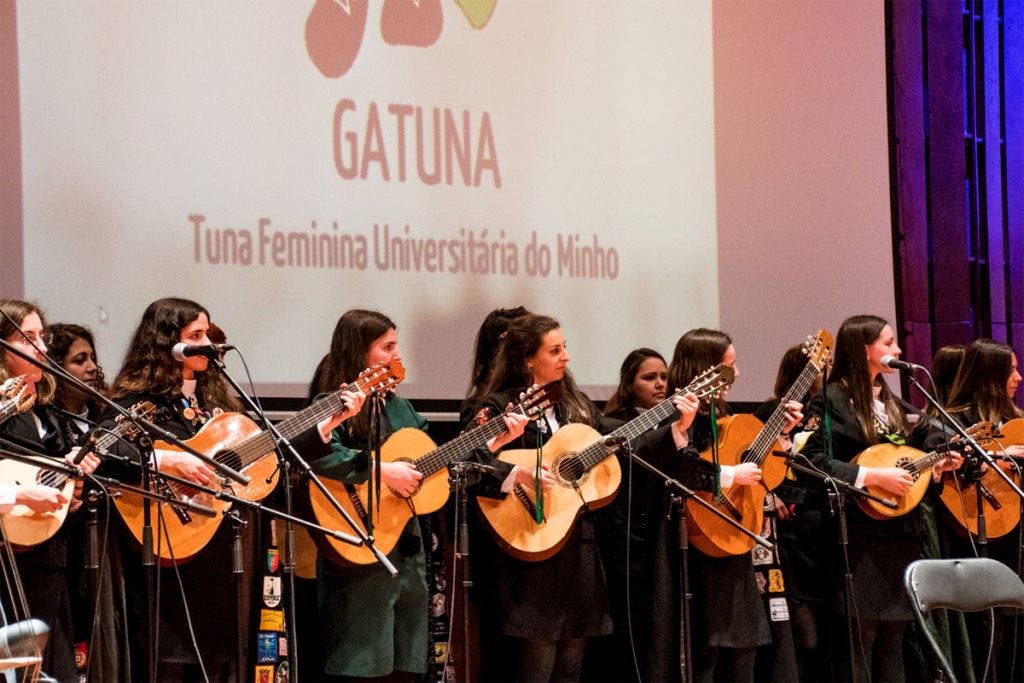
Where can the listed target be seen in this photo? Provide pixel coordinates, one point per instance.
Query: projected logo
(335, 28)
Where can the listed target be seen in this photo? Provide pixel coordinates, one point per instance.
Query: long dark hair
(695, 352)
(981, 382)
(149, 367)
(624, 396)
(945, 365)
(486, 347)
(851, 369)
(354, 333)
(511, 369)
(64, 335)
(790, 367)
(18, 310)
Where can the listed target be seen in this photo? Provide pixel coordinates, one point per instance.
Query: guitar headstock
(711, 382)
(144, 410)
(382, 378)
(15, 395)
(538, 398)
(818, 348)
(982, 431)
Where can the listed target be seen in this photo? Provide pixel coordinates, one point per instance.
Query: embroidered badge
(271, 591)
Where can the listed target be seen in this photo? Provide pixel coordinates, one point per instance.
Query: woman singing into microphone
(860, 411)
(187, 393)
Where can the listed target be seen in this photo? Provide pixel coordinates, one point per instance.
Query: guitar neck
(107, 439)
(441, 457)
(257, 446)
(926, 462)
(773, 427)
(649, 419)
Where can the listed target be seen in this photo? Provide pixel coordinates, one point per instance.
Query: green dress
(373, 624)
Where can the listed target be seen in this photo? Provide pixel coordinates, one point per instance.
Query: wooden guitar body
(189, 533)
(745, 504)
(395, 511)
(26, 528)
(1000, 504)
(512, 519)
(1012, 432)
(892, 455)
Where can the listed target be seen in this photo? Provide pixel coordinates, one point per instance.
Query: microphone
(611, 442)
(894, 364)
(87, 447)
(183, 351)
(23, 638)
(471, 466)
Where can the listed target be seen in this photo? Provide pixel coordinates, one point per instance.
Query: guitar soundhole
(570, 470)
(229, 457)
(908, 465)
(418, 486)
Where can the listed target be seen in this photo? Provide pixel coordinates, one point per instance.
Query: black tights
(878, 651)
(723, 664)
(550, 660)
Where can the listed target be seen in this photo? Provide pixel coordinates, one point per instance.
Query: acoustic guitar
(914, 461)
(1000, 505)
(27, 528)
(413, 446)
(586, 477)
(1012, 433)
(238, 442)
(743, 438)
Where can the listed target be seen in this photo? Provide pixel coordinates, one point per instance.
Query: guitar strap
(538, 489)
(714, 453)
(373, 490)
(827, 419)
(932, 422)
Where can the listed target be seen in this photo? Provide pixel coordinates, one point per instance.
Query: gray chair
(966, 585)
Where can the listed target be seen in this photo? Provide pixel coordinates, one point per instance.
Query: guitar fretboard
(646, 421)
(257, 446)
(773, 427)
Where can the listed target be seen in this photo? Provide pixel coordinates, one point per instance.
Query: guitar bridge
(165, 489)
(353, 496)
(731, 507)
(523, 497)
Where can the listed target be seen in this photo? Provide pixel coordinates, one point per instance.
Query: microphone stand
(676, 508)
(837, 491)
(282, 446)
(458, 478)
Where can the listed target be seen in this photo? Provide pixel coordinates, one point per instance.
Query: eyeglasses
(46, 338)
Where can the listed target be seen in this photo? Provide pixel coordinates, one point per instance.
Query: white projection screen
(282, 161)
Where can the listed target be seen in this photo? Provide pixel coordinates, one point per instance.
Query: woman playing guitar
(42, 430)
(372, 624)
(728, 620)
(983, 391)
(187, 394)
(860, 411)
